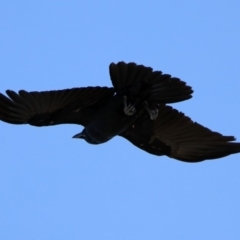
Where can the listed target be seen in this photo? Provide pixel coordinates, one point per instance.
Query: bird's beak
(79, 135)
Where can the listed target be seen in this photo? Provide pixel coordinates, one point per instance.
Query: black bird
(134, 108)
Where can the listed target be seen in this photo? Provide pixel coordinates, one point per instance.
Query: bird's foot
(152, 112)
(128, 108)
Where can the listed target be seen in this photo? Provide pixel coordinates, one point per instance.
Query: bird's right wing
(76, 105)
(177, 136)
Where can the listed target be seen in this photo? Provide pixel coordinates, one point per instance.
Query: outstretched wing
(177, 136)
(46, 108)
(138, 81)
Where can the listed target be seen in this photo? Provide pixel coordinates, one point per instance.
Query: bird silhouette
(134, 108)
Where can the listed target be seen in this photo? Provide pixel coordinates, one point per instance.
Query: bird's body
(108, 121)
(134, 108)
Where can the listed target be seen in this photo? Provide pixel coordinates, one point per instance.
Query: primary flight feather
(134, 108)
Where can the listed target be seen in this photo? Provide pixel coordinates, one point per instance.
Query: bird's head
(84, 135)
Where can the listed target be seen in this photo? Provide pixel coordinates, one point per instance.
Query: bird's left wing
(46, 108)
(177, 136)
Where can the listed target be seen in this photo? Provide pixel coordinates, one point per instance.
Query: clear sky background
(56, 187)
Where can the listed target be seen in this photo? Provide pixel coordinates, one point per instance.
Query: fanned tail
(138, 81)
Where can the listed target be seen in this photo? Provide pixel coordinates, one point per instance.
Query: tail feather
(140, 81)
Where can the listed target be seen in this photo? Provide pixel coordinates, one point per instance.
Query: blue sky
(56, 187)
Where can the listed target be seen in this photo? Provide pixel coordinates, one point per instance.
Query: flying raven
(134, 108)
